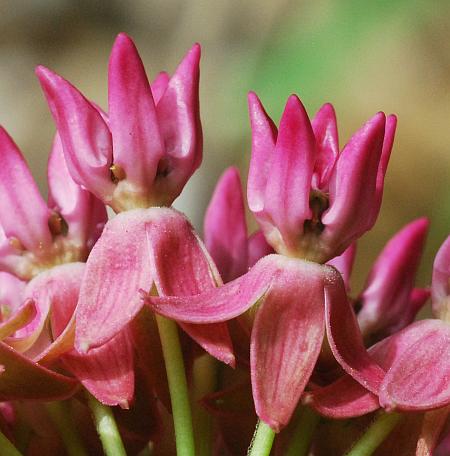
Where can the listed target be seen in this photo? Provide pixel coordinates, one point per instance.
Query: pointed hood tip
(124, 404)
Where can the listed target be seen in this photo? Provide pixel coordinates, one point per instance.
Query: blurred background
(390, 55)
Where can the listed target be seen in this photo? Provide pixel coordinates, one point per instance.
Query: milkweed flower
(135, 158)
(310, 200)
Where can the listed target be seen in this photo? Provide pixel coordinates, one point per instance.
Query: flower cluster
(137, 319)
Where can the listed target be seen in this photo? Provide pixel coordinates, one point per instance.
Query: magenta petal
(23, 213)
(107, 372)
(21, 379)
(257, 247)
(388, 142)
(11, 293)
(344, 398)
(326, 133)
(289, 181)
(440, 285)
(418, 380)
(159, 85)
(286, 339)
(222, 303)
(84, 134)
(117, 268)
(264, 134)
(345, 337)
(225, 228)
(386, 297)
(137, 143)
(182, 268)
(83, 212)
(353, 184)
(344, 264)
(179, 120)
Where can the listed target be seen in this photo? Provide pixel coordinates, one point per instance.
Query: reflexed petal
(23, 213)
(344, 398)
(83, 212)
(345, 338)
(181, 268)
(225, 228)
(418, 379)
(222, 303)
(22, 379)
(289, 181)
(386, 296)
(84, 134)
(117, 268)
(353, 185)
(326, 133)
(286, 340)
(137, 143)
(264, 134)
(107, 372)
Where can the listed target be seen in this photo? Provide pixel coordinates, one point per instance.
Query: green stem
(7, 448)
(106, 428)
(303, 432)
(262, 440)
(60, 415)
(204, 381)
(375, 434)
(179, 397)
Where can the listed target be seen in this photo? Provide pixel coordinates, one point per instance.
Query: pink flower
(286, 299)
(414, 360)
(310, 200)
(35, 235)
(148, 146)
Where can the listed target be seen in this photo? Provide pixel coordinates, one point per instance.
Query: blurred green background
(390, 55)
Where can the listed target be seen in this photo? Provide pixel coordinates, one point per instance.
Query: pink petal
(344, 398)
(286, 340)
(107, 372)
(137, 143)
(181, 268)
(225, 228)
(117, 268)
(418, 380)
(386, 296)
(344, 264)
(388, 142)
(50, 290)
(326, 133)
(257, 248)
(21, 317)
(222, 303)
(21, 379)
(264, 134)
(179, 120)
(440, 287)
(23, 213)
(353, 185)
(11, 293)
(84, 134)
(345, 337)
(159, 85)
(82, 211)
(289, 181)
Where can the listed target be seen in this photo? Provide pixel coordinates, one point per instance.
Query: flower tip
(230, 360)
